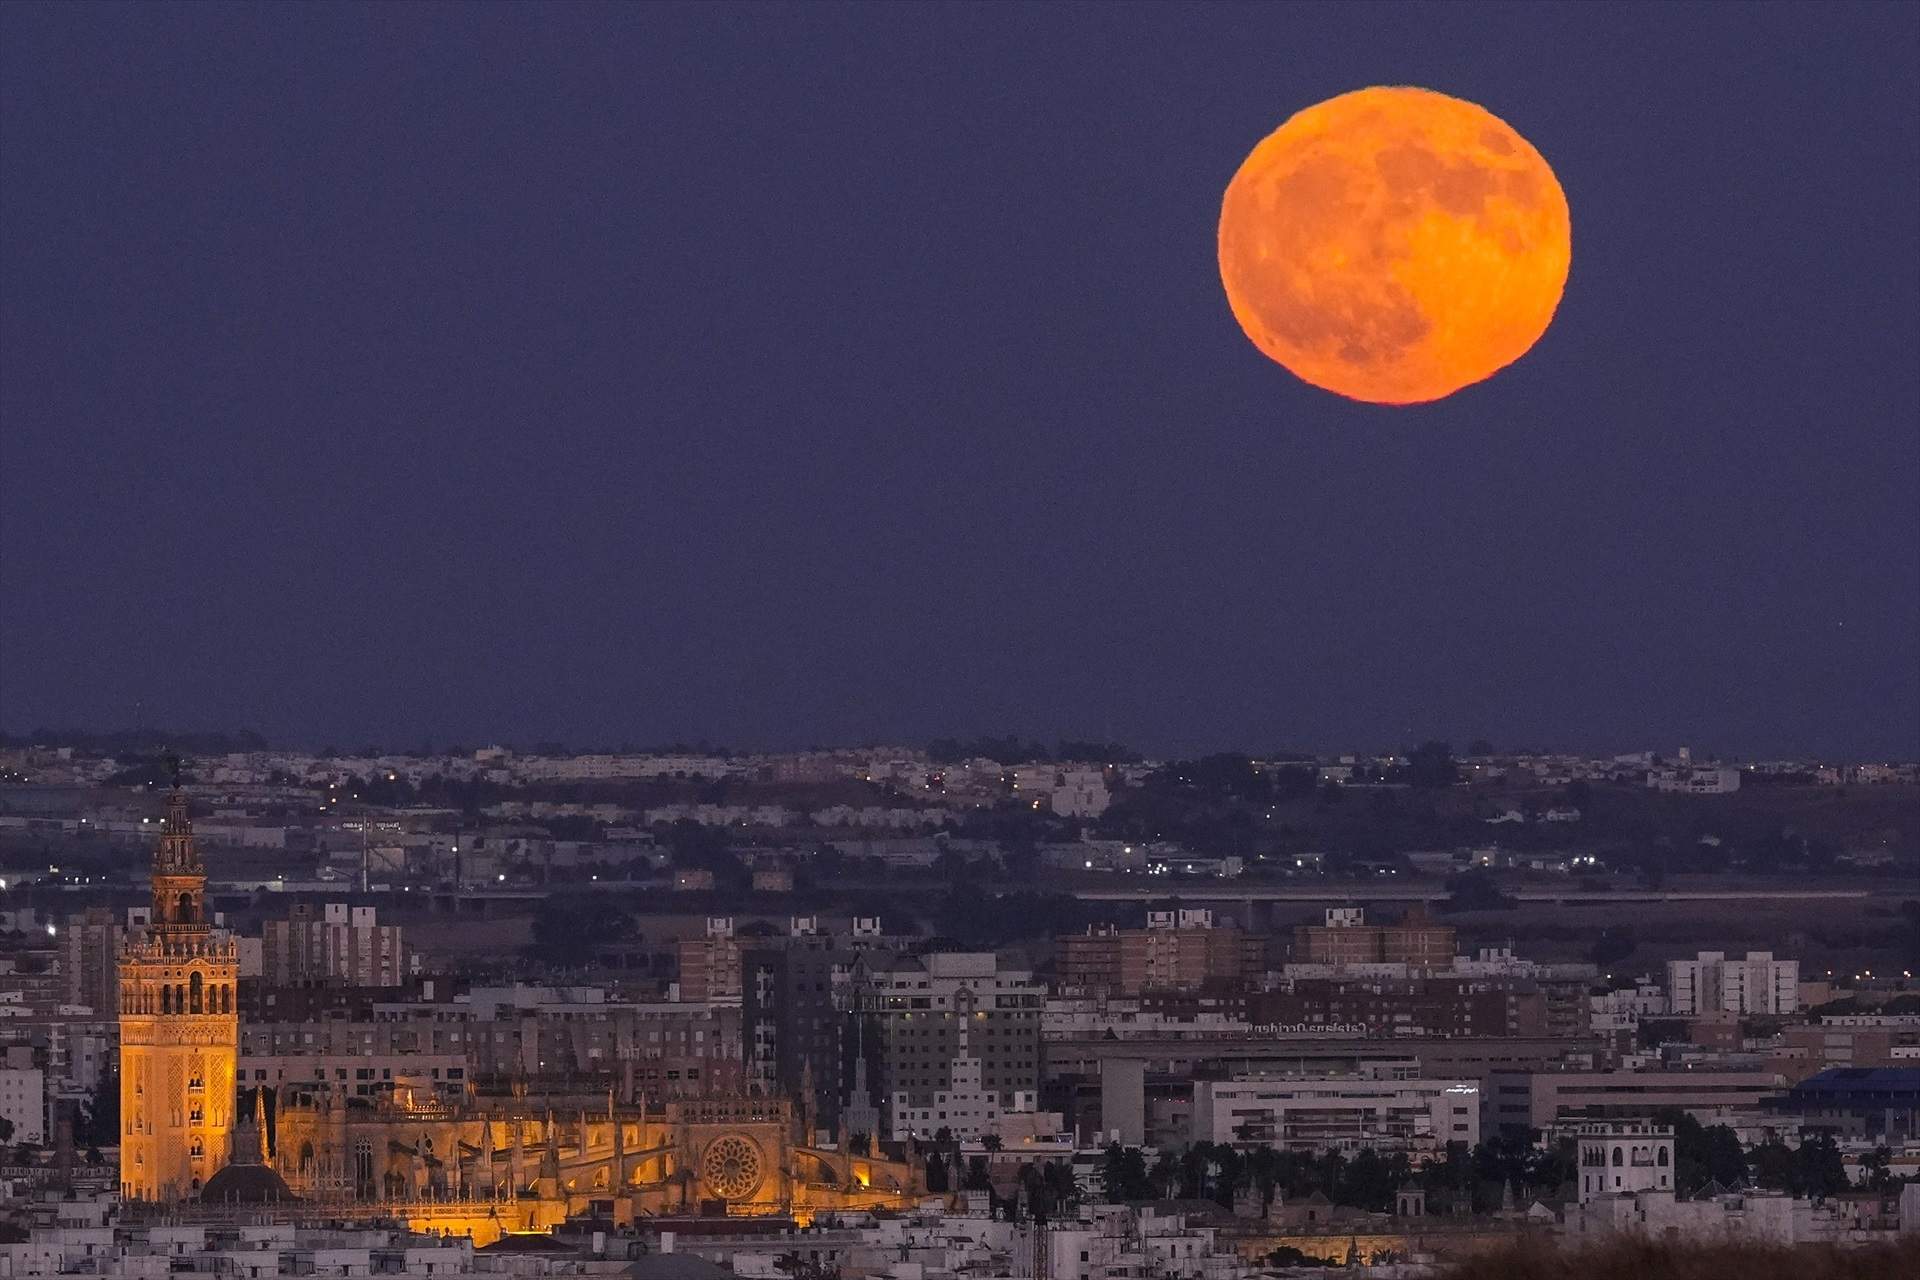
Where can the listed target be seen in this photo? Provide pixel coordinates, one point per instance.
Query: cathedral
(480, 1166)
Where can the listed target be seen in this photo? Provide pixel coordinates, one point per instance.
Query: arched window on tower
(1660, 1157)
(193, 994)
(166, 999)
(183, 911)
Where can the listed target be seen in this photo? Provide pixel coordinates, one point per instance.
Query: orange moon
(1394, 245)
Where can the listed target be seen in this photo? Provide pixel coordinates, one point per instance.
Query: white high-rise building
(339, 943)
(1714, 984)
(952, 1039)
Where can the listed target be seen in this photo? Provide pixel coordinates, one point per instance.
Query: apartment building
(710, 965)
(23, 1102)
(793, 1018)
(1113, 1242)
(90, 945)
(1711, 983)
(658, 1049)
(1179, 950)
(1336, 1113)
(921, 1023)
(1440, 1005)
(357, 1074)
(1519, 1102)
(1347, 939)
(333, 944)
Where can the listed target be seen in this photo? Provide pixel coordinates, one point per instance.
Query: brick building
(1414, 1006)
(1179, 950)
(1346, 938)
(710, 966)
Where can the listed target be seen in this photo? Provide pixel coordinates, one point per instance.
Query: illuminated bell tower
(179, 1036)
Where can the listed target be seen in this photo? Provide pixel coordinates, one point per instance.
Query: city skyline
(183, 747)
(594, 374)
(752, 640)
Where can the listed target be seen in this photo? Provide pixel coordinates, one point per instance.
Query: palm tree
(1194, 1162)
(1166, 1175)
(1062, 1187)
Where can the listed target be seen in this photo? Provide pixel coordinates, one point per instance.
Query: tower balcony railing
(182, 947)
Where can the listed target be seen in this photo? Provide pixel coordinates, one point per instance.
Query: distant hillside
(1761, 827)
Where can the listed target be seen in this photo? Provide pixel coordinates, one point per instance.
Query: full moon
(1394, 245)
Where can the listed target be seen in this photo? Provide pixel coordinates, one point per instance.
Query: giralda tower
(179, 1036)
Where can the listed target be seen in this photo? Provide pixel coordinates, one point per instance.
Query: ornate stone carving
(731, 1167)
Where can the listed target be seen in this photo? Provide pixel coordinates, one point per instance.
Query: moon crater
(1394, 245)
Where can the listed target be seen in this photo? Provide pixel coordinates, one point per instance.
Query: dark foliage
(1430, 767)
(1475, 890)
(1636, 1258)
(568, 928)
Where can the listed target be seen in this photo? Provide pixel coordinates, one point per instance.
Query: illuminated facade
(440, 1160)
(483, 1167)
(179, 1034)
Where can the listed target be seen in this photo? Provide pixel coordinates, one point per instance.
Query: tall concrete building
(952, 1024)
(710, 965)
(1711, 983)
(179, 1034)
(90, 945)
(335, 944)
(793, 1016)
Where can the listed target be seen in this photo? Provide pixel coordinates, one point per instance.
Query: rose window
(731, 1166)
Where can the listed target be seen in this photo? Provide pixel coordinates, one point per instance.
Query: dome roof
(246, 1184)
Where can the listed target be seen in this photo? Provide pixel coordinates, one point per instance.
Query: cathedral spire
(249, 1135)
(806, 1117)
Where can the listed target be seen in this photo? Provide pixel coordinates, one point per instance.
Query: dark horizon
(1053, 745)
(852, 373)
